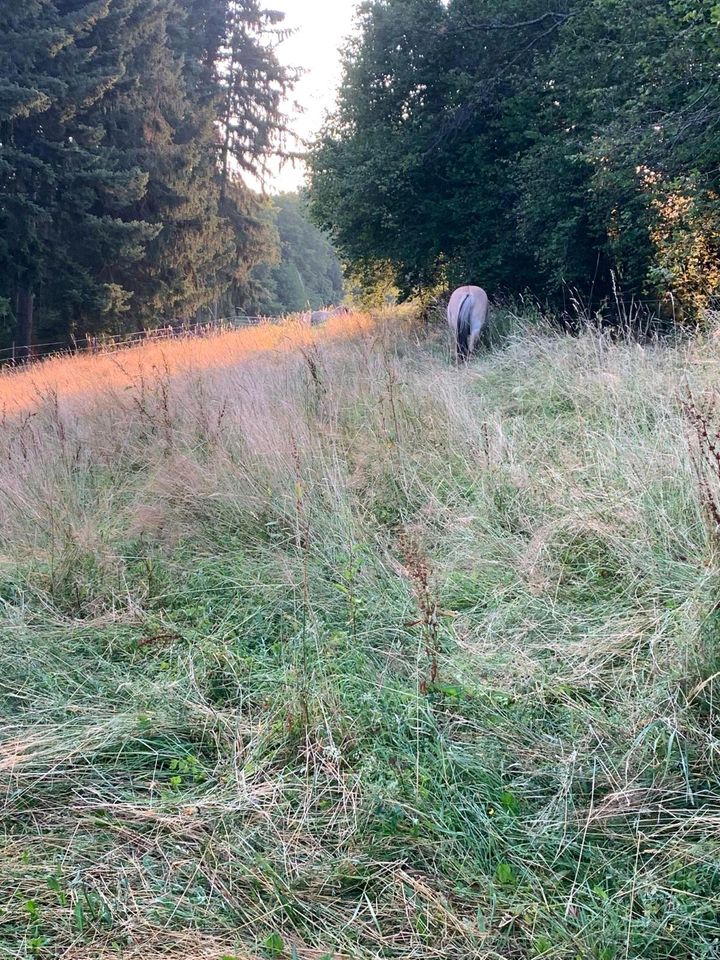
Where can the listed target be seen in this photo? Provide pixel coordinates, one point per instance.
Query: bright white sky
(321, 26)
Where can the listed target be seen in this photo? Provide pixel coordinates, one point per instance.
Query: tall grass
(313, 645)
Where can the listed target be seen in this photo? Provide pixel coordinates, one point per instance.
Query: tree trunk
(24, 334)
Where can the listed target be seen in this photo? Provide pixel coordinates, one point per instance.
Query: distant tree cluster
(530, 144)
(125, 126)
(305, 272)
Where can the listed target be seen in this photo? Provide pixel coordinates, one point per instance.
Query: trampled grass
(318, 647)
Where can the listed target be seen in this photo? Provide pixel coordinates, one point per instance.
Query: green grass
(386, 661)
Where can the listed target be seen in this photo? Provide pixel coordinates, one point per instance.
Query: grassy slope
(346, 652)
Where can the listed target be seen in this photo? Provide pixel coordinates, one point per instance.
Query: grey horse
(322, 316)
(468, 318)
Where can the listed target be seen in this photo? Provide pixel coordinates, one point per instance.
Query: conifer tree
(31, 39)
(167, 113)
(125, 129)
(61, 186)
(252, 85)
(159, 116)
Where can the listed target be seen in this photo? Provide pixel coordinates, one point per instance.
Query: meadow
(313, 646)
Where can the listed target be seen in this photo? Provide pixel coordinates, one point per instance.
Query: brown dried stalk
(705, 453)
(416, 567)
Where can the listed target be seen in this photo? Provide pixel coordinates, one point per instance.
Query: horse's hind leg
(481, 338)
(455, 352)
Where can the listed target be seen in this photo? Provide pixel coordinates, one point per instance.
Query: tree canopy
(125, 128)
(529, 144)
(306, 272)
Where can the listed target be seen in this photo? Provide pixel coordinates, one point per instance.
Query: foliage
(120, 204)
(61, 185)
(307, 273)
(540, 145)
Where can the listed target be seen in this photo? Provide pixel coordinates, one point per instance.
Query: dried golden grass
(22, 389)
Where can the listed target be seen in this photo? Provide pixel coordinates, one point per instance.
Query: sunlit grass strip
(22, 388)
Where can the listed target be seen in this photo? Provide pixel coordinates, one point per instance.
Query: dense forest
(305, 271)
(566, 147)
(125, 129)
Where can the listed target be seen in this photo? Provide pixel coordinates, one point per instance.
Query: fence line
(11, 356)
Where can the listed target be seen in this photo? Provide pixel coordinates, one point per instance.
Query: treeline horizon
(128, 129)
(531, 146)
(304, 273)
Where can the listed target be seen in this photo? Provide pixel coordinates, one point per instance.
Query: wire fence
(106, 343)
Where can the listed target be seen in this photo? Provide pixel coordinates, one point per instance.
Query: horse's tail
(464, 326)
